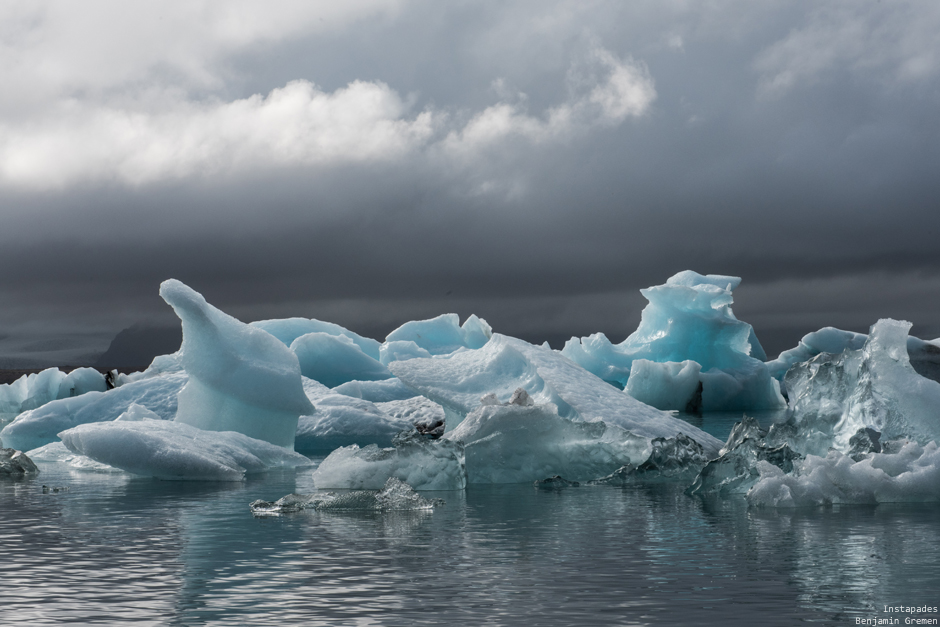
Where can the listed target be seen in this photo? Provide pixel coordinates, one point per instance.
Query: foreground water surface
(113, 549)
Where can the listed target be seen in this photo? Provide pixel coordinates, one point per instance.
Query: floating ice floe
(689, 319)
(175, 450)
(241, 378)
(394, 496)
(41, 426)
(35, 390)
(58, 453)
(457, 382)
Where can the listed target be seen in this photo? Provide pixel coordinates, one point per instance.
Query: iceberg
(335, 359)
(689, 319)
(520, 442)
(176, 450)
(37, 427)
(442, 335)
(457, 382)
(670, 459)
(422, 462)
(289, 329)
(35, 390)
(912, 474)
(832, 397)
(56, 452)
(343, 420)
(241, 378)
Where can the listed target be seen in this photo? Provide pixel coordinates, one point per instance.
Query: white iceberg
(241, 378)
(335, 359)
(458, 382)
(41, 426)
(174, 450)
(688, 319)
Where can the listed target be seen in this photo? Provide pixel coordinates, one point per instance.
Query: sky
(537, 163)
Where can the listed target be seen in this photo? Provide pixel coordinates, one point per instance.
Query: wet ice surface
(119, 550)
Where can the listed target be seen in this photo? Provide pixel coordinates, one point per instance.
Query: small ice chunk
(555, 483)
(175, 450)
(15, 463)
(394, 496)
(670, 459)
(335, 359)
(423, 463)
(241, 378)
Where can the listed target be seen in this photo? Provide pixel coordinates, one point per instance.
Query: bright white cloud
(80, 141)
(894, 42)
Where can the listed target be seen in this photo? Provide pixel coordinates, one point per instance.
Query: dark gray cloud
(535, 164)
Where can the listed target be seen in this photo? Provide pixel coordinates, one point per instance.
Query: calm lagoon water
(117, 550)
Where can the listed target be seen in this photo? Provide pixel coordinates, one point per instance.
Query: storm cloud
(535, 163)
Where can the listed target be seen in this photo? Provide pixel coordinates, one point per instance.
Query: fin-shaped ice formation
(687, 319)
(175, 450)
(241, 378)
(504, 364)
(40, 426)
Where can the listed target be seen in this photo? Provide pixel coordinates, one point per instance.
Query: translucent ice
(687, 319)
(335, 359)
(394, 496)
(670, 459)
(521, 443)
(458, 382)
(423, 463)
(833, 396)
(442, 335)
(57, 452)
(40, 426)
(289, 329)
(241, 378)
(669, 385)
(175, 450)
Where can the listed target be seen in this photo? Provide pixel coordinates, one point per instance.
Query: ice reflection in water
(115, 550)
